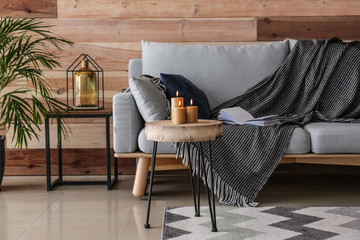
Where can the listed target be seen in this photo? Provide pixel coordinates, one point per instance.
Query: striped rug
(265, 223)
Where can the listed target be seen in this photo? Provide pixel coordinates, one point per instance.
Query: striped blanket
(319, 81)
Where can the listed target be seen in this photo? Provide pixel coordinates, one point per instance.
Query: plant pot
(2, 158)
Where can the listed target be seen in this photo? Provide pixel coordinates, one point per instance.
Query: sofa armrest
(127, 123)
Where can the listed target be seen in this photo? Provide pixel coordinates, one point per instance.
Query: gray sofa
(224, 72)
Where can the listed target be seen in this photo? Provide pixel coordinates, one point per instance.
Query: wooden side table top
(77, 113)
(166, 131)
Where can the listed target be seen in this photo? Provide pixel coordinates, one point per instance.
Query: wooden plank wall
(111, 30)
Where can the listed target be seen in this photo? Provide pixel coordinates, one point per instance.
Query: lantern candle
(191, 113)
(176, 102)
(179, 115)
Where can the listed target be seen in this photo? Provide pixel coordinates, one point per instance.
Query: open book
(238, 115)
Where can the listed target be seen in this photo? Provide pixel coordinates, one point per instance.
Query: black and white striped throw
(319, 81)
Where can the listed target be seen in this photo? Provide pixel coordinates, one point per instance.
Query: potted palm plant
(27, 47)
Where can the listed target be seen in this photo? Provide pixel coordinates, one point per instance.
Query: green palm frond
(27, 46)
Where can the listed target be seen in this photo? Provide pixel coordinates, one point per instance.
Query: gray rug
(265, 223)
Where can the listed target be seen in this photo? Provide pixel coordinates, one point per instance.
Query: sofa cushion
(292, 43)
(334, 137)
(127, 123)
(149, 99)
(222, 72)
(299, 143)
(188, 90)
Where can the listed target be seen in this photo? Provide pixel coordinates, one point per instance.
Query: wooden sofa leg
(141, 177)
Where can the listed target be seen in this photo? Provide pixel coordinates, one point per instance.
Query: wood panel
(108, 57)
(83, 135)
(163, 30)
(75, 162)
(270, 29)
(28, 8)
(115, 56)
(114, 82)
(98, 9)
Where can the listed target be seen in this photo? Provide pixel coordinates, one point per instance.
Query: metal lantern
(85, 84)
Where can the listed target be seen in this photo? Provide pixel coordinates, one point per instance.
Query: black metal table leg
(214, 229)
(198, 181)
(108, 158)
(116, 168)
(59, 150)
(192, 182)
(211, 209)
(147, 183)
(47, 146)
(147, 225)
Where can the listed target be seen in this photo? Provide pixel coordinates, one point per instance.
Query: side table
(106, 113)
(202, 131)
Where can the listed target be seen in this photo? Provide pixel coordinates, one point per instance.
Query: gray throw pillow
(149, 99)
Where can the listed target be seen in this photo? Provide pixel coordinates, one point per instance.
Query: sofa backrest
(222, 72)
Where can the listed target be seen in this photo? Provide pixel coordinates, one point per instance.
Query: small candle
(191, 113)
(176, 102)
(179, 115)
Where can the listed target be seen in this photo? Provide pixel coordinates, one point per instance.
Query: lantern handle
(84, 55)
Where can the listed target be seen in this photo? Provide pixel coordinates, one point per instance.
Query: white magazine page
(237, 115)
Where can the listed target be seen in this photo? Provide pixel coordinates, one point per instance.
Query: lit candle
(179, 114)
(191, 113)
(176, 102)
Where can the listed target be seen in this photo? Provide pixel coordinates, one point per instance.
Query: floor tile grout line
(41, 214)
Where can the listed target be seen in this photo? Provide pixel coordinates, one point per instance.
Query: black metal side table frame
(201, 170)
(59, 181)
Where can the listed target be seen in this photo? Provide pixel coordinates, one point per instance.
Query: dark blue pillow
(187, 90)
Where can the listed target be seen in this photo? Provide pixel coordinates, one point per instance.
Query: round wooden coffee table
(202, 131)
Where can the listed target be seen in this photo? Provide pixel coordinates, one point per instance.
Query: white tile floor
(28, 211)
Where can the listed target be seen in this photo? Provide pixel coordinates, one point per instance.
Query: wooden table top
(76, 113)
(166, 131)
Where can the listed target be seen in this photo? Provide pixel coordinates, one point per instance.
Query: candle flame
(179, 103)
(191, 102)
(177, 93)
